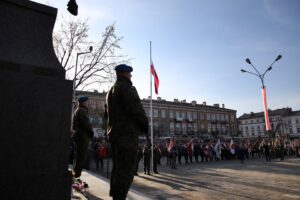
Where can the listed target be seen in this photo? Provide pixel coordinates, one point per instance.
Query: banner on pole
(267, 121)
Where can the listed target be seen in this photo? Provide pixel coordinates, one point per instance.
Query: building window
(201, 116)
(298, 129)
(218, 117)
(171, 114)
(163, 113)
(226, 117)
(177, 113)
(183, 115)
(289, 121)
(202, 127)
(148, 113)
(190, 128)
(214, 127)
(208, 116)
(232, 117)
(184, 127)
(290, 130)
(208, 127)
(252, 130)
(155, 113)
(297, 121)
(222, 117)
(178, 128)
(171, 127)
(155, 124)
(194, 115)
(251, 121)
(189, 116)
(213, 117)
(195, 127)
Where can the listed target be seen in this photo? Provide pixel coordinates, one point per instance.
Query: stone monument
(35, 106)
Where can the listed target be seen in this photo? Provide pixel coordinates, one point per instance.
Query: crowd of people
(189, 151)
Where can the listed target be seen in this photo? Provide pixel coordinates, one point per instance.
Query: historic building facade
(284, 121)
(180, 118)
(174, 118)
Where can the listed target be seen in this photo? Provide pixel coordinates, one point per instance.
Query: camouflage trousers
(124, 168)
(80, 155)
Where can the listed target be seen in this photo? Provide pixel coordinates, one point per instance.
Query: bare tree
(96, 67)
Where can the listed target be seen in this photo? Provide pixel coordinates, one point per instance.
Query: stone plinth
(35, 105)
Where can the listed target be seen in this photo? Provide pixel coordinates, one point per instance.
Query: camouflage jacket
(81, 123)
(126, 118)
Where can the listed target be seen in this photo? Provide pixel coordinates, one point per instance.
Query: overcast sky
(199, 47)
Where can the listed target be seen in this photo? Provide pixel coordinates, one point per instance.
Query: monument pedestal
(35, 106)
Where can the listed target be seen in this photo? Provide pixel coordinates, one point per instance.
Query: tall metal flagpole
(151, 109)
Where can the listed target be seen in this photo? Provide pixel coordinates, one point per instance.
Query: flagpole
(151, 110)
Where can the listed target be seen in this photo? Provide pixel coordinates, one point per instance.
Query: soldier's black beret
(123, 68)
(82, 99)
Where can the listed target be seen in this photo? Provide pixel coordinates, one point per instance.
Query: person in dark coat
(83, 133)
(197, 148)
(241, 153)
(266, 148)
(147, 159)
(180, 149)
(156, 157)
(126, 120)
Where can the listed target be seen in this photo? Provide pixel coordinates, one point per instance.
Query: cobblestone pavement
(229, 180)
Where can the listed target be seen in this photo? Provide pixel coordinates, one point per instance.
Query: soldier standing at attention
(126, 120)
(83, 133)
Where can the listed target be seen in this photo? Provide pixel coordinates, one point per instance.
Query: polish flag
(268, 126)
(156, 80)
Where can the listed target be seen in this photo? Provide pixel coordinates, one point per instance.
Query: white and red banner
(268, 125)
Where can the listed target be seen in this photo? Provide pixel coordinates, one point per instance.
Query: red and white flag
(156, 80)
(171, 144)
(268, 126)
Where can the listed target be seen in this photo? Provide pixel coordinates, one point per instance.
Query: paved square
(254, 180)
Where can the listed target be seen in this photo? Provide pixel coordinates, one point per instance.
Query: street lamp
(261, 77)
(258, 74)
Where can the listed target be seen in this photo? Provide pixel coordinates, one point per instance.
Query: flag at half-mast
(156, 80)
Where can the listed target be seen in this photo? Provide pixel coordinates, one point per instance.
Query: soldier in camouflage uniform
(83, 133)
(126, 120)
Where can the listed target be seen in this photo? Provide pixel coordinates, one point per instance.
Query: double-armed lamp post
(261, 77)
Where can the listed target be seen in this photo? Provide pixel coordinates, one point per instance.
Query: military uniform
(126, 120)
(83, 134)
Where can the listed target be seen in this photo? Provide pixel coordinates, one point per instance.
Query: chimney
(159, 98)
(194, 103)
(223, 105)
(96, 91)
(183, 101)
(204, 103)
(176, 100)
(216, 105)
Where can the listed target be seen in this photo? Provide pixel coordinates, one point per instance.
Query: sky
(200, 46)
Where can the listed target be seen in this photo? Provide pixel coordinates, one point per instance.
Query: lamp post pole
(74, 81)
(261, 77)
